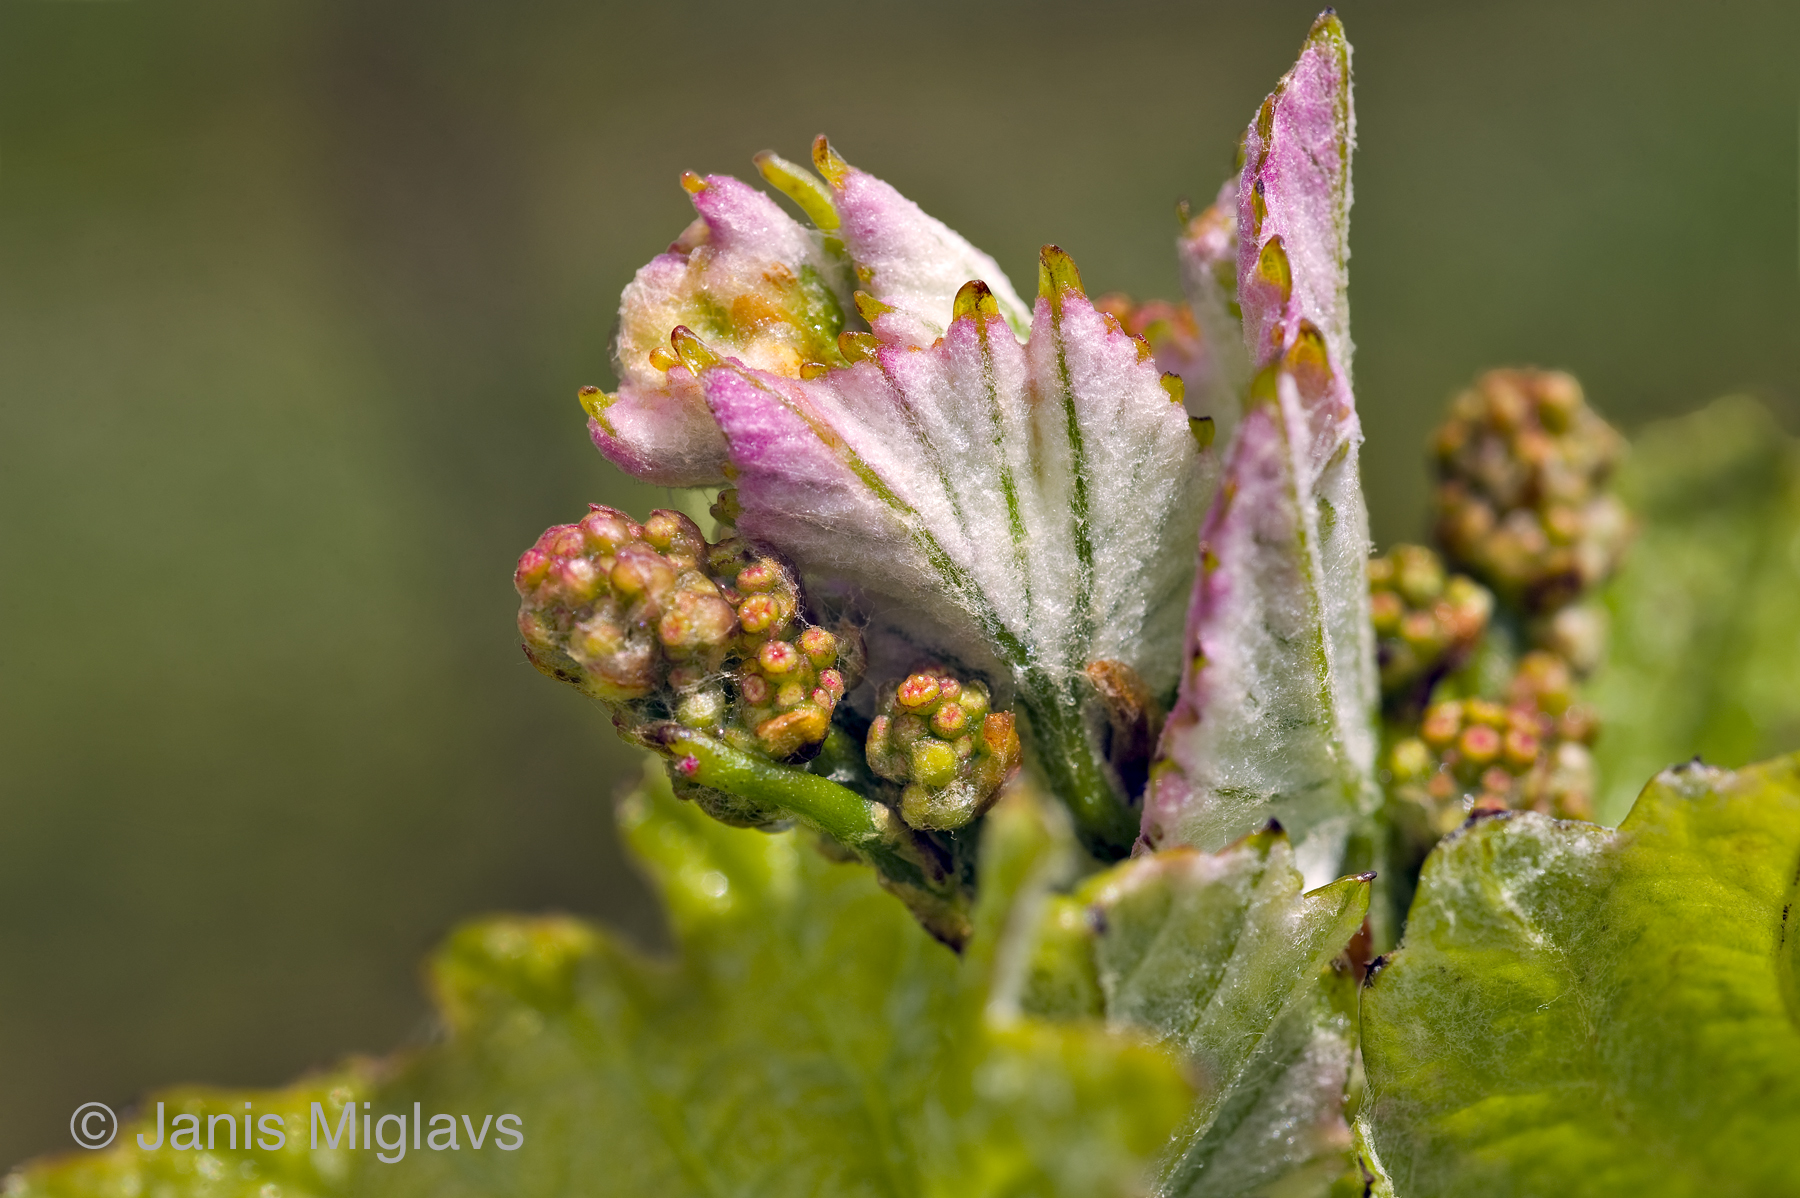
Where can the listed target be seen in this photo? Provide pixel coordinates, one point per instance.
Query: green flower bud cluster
(1521, 501)
(1527, 753)
(1426, 624)
(937, 734)
(662, 626)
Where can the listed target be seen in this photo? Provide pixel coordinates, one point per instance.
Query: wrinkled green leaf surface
(1577, 1010)
(1705, 655)
(809, 1040)
(1223, 955)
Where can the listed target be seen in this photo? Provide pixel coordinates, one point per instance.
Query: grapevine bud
(1543, 681)
(1576, 633)
(936, 733)
(1521, 502)
(658, 624)
(1411, 760)
(1426, 625)
(1529, 753)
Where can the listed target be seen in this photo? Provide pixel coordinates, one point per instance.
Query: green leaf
(1578, 1010)
(228, 1169)
(808, 1039)
(1224, 956)
(1706, 629)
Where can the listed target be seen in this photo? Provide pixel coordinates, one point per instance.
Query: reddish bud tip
(778, 657)
(919, 693)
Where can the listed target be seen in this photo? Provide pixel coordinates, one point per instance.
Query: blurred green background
(295, 298)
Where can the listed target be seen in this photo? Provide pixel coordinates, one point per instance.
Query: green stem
(1106, 826)
(861, 825)
(841, 760)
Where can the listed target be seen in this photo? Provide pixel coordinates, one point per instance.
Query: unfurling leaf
(1207, 252)
(1025, 510)
(906, 259)
(1223, 956)
(750, 281)
(1278, 694)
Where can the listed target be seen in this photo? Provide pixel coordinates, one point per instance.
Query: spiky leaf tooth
(939, 735)
(1207, 253)
(1275, 714)
(752, 283)
(662, 626)
(1425, 623)
(1025, 510)
(1584, 1011)
(1522, 500)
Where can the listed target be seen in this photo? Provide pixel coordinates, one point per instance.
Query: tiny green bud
(919, 694)
(778, 658)
(1411, 760)
(702, 709)
(819, 646)
(933, 763)
(949, 720)
(1426, 624)
(935, 733)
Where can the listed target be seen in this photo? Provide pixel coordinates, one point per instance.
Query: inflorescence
(1482, 699)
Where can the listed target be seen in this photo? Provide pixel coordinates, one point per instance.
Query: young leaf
(1577, 1010)
(1282, 1131)
(1705, 627)
(808, 1039)
(1275, 715)
(1025, 510)
(1223, 956)
(905, 258)
(1207, 253)
(751, 280)
(211, 1156)
(748, 282)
